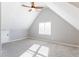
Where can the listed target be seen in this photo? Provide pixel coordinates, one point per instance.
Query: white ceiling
(67, 11)
(14, 16)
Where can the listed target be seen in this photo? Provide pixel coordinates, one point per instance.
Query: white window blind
(45, 28)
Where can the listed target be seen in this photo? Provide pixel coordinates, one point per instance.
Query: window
(45, 28)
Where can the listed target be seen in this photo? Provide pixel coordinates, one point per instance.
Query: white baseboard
(14, 40)
(56, 42)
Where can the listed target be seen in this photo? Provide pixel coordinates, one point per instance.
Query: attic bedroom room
(39, 29)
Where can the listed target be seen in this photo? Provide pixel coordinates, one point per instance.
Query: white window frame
(45, 28)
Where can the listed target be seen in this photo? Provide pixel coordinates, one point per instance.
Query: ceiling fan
(32, 6)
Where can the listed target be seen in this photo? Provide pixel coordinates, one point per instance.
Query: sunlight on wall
(36, 51)
(45, 28)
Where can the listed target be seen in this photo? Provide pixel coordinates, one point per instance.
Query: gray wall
(15, 20)
(17, 34)
(14, 23)
(13, 35)
(61, 30)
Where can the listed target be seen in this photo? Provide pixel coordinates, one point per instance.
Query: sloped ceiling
(67, 11)
(76, 4)
(14, 16)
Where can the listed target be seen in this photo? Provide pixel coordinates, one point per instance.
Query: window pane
(41, 28)
(45, 28)
(48, 28)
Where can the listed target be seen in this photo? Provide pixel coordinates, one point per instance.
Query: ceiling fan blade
(30, 10)
(25, 6)
(39, 7)
(32, 3)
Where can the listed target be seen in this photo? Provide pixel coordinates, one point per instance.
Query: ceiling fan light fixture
(33, 7)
